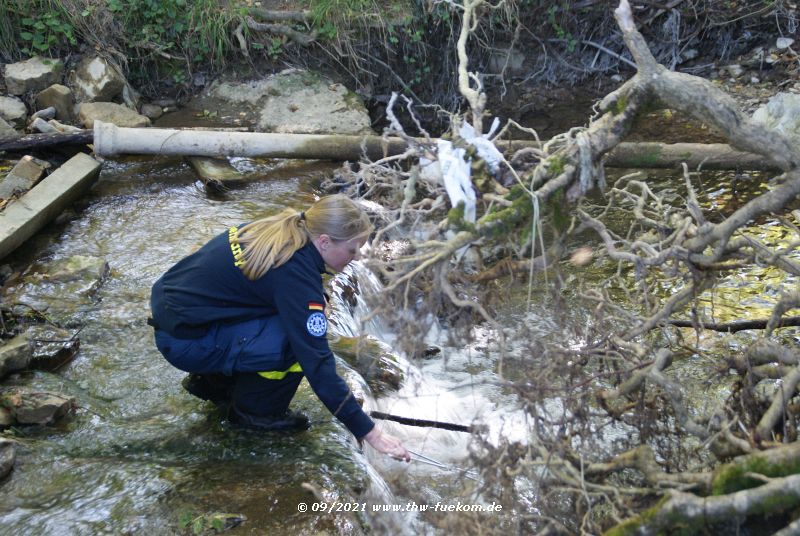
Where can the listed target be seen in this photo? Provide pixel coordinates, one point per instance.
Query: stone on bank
(13, 110)
(34, 74)
(291, 102)
(110, 112)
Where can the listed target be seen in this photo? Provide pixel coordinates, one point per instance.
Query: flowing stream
(141, 455)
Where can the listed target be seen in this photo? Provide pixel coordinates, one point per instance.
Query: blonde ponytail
(269, 242)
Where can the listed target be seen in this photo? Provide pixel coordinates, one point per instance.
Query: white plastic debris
(453, 170)
(485, 148)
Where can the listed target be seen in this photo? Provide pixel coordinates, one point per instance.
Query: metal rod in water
(430, 461)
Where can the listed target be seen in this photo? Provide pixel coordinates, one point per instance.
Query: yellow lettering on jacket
(236, 249)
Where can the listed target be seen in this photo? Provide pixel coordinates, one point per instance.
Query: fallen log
(737, 325)
(684, 513)
(759, 484)
(37, 141)
(715, 156)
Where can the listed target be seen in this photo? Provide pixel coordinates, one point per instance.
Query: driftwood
(421, 422)
(39, 141)
(753, 484)
(733, 327)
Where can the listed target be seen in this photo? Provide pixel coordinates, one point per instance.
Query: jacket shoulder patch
(317, 324)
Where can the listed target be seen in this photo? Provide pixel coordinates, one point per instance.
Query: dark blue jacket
(207, 287)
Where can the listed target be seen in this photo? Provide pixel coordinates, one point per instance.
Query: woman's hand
(387, 444)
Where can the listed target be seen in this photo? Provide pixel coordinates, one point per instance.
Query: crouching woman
(245, 316)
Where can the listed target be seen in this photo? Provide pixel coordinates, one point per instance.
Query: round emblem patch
(317, 324)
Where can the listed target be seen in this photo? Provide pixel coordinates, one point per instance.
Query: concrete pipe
(111, 140)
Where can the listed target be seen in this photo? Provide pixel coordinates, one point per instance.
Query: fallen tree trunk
(695, 155)
(37, 141)
(689, 514)
(111, 140)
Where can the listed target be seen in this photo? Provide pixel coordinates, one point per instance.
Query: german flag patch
(314, 306)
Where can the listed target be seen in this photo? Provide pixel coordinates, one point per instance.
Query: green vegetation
(172, 37)
(34, 26)
(329, 15)
(735, 477)
(558, 29)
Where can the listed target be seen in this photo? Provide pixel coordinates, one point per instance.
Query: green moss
(560, 216)
(648, 518)
(455, 219)
(633, 525)
(779, 502)
(619, 105)
(516, 192)
(647, 159)
(353, 101)
(732, 477)
(503, 222)
(555, 165)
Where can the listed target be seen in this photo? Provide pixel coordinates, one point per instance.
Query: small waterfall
(458, 386)
(350, 315)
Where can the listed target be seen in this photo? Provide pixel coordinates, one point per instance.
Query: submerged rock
(6, 418)
(58, 289)
(79, 267)
(215, 172)
(52, 347)
(372, 359)
(36, 408)
(15, 355)
(212, 523)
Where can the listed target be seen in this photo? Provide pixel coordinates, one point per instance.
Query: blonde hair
(269, 242)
